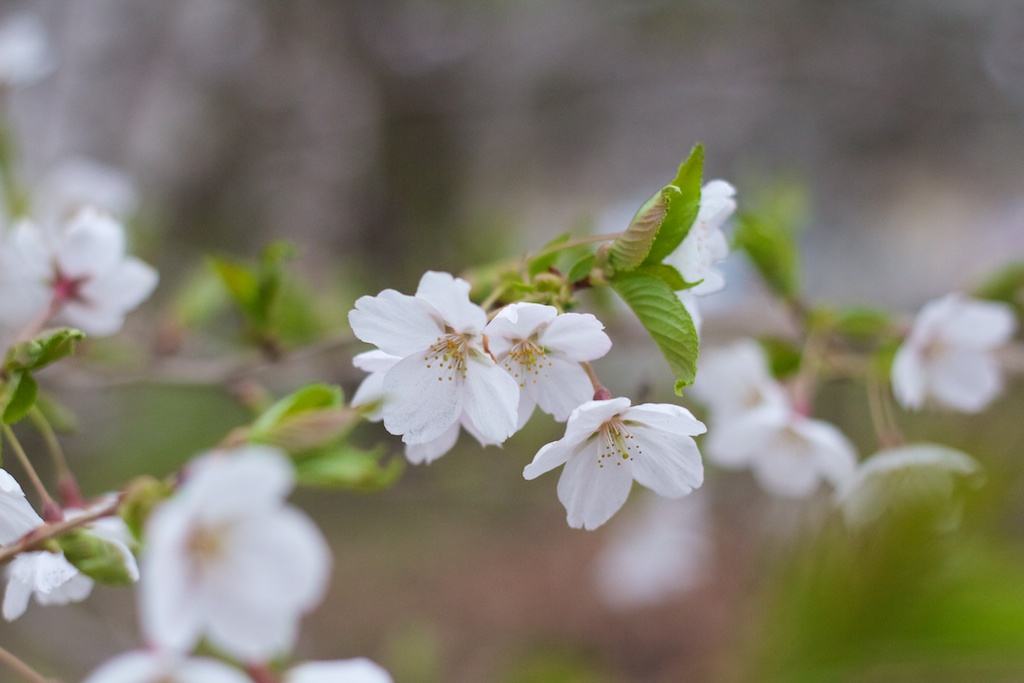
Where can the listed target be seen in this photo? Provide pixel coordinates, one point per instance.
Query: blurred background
(387, 137)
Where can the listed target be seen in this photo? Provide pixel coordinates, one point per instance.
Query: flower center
(448, 354)
(617, 444)
(205, 546)
(67, 288)
(529, 358)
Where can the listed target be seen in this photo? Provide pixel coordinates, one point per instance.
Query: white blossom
(445, 369)
(542, 350)
(661, 550)
(48, 576)
(788, 453)
(358, 670)
(79, 276)
(228, 559)
(608, 444)
(17, 517)
(906, 477)
(76, 183)
(164, 667)
(370, 394)
(734, 380)
(947, 355)
(705, 243)
(25, 54)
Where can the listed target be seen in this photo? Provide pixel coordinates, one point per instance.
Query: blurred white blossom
(542, 350)
(733, 380)
(918, 476)
(17, 517)
(608, 444)
(445, 370)
(163, 667)
(358, 670)
(659, 549)
(947, 355)
(76, 183)
(226, 558)
(80, 276)
(25, 52)
(49, 576)
(705, 243)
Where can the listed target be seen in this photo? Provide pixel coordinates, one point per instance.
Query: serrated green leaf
(347, 467)
(581, 269)
(97, 558)
(666, 319)
(667, 274)
(46, 348)
(683, 204)
(22, 396)
(630, 249)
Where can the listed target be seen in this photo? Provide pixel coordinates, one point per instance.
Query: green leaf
(683, 198)
(20, 398)
(769, 234)
(783, 356)
(630, 249)
(347, 467)
(240, 280)
(666, 319)
(95, 557)
(310, 397)
(47, 347)
(667, 274)
(312, 416)
(860, 323)
(1005, 285)
(140, 498)
(548, 255)
(581, 269)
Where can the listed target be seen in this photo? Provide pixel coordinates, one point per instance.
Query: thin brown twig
(22, 669)
(37, 483)
(35, 539)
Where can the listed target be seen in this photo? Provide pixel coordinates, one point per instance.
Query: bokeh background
(387, 137)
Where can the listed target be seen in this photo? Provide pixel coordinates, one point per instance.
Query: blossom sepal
(98, 558)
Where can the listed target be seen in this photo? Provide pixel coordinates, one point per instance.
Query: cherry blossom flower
(789, 453)
(228, 559)
(80, 276)
(17, 517)
(370, 394)
(542, 350)
(705, 243)
(358, 670)
(48, 576)
(734, 380)
(914, 476)
(165, 667)
(662, 550)
(445, 369)
(77, 183)
(25, 55)
(947, 355)
(608, 444)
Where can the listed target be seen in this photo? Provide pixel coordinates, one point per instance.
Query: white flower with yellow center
(444, 368)
(542, 350)
(226, 558)
(608, 444)
(948, 354)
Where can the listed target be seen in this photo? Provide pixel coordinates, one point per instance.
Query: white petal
(204, 670)
(399, 324)
(92, 320)
(170, 611)
(549, 457)
(909, 383)
(375, 361)
(712, 282)
(979, 324)
(130, 667)
(965, 379)
(665, 416)
(18, 591)
(424, 399)
(75, 589)
(835, 458)
(421, 453)
(668, 463)
(359, 670)
(371, 391)
(514, 323)
(692, 307)
(17, 517)
(227, 484)
(123, 287)
(492, 399)
(587, 419)
(576, 336)
(450, 297)
(560, 388)
(91, 245)
(785, 472)
(738, 441)
(590, 492)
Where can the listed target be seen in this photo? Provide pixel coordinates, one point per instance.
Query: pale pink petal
(423, 453)
(122, 287)
(450, 297)
(492, 399)
(562, 387)
(592, 489)
(576, 336)
(424, 399)
(399, 324)
(90, 319)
